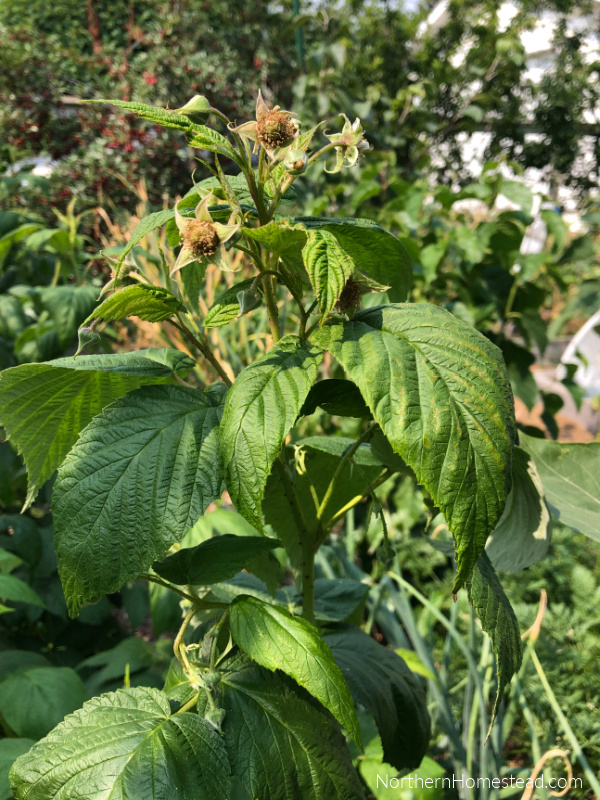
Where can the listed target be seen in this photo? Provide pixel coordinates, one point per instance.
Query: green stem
(178, 646)
(198, 603)
(569, 733)
(202, 345)
(308, 581)
(190, 704)
(272, 308)
(346, 458)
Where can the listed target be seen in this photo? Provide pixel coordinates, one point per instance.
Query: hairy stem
(202, 345)
(306, 541)
(308, 581)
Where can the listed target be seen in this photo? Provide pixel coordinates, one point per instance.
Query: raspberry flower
(203, 238)
(272, 128)
(349, 144)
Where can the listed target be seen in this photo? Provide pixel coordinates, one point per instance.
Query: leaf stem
(356, 500)
(349, 453)
(202, 345)
(190, 704)
(308, 581)
(198, 602)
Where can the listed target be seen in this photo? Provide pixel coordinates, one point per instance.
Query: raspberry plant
(260, 699)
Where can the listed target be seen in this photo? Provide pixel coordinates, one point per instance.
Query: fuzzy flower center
(201, 238)
(275, 129)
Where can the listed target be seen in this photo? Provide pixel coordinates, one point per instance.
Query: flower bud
(196, 110)
(295, 162)
(385, 554)
(211, 678)
(248, 300)
(215, 717)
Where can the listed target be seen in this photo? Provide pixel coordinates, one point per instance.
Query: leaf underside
(497, 617)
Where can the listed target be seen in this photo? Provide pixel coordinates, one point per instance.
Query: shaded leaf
(32, 702)
(14, 590)
(381, 682)
(68, 306)
(311, 471)
(335, 600)
(10, 750)
(522, 536)
(336, 396)
(214, 560)
(570, 475)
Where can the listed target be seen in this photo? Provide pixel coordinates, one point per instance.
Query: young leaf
(139, 476)
(570, 475)
(336, 396)
(214, 560)
(127, 745)
(207, 139)
(276, 640)
(381, 682)
(375, 252)
(260, 408)
(150, 303)
(522, 536)
(14, 590)
(227, 306)
(498, 620)
(34, 701)
(439, 391)
(291, 749)
(43, 407)
(145, 226)
(161, 116)
(328, 267)
(376, 255)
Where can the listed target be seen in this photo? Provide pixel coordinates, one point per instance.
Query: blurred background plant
(505, 258)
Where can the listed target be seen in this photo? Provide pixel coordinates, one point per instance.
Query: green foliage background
(360, 58)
